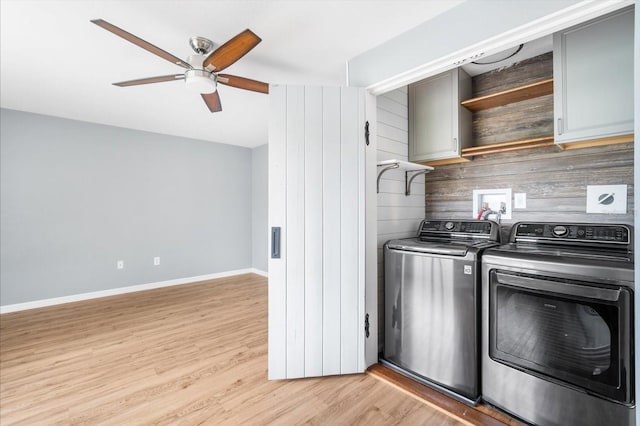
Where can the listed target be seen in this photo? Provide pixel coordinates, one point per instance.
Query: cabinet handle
(560, 129)
(455, 141)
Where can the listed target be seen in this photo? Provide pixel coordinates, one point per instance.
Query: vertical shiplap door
(322, 197)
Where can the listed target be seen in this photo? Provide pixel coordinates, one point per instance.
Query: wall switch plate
(520, 200)
(120, 264)
(156, 261)
(610, 199)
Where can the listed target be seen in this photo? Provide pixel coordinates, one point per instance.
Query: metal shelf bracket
(408, 167)
(408, 180)
(388, 167)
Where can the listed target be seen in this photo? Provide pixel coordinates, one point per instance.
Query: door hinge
(366, 326)
(366, 133)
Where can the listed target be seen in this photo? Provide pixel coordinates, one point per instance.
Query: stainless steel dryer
(432, 304)
(557, 324)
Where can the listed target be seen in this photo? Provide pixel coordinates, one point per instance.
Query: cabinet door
(321, 189)
(435, 116)
(593, 79)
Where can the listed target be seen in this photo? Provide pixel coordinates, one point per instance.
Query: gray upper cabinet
(439, 127)
(593, 79)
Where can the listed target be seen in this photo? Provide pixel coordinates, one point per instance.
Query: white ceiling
(55, 62)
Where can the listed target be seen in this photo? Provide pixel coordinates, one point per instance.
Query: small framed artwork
(494, 204)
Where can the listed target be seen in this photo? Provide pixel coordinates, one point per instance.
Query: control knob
(560, 230)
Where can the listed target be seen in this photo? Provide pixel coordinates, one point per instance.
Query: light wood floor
(190, 354)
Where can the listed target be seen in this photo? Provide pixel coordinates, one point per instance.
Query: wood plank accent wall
(398, 215)
(555, 182)
(526, 119)
(518, 74)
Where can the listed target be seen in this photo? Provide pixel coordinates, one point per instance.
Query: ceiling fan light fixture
(200, 76)
(200, 81)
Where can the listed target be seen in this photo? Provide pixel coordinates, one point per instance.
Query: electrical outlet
(120, 264)
(156, 260)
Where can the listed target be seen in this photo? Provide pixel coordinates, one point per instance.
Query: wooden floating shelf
(517, 94)
(445, 161)
(508, 146)
(469, 153)
(598, 142)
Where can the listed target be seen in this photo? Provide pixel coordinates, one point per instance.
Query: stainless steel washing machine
(432, 304)
(557, 324)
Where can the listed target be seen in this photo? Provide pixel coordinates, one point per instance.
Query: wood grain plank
(598, 142)
(528, 71)
(349, 241)
(331, 220)
(555, 182)
(524, 120)
(277, 218)
(295, 214)
(515, 94)
(481, 415)
(513, 103)
(508, 146)
(313, 232)
(188, 354)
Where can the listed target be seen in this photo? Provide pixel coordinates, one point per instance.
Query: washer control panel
(566, 232)
(470, 227)
(476, 229)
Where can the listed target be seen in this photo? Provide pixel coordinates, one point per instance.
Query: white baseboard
(260, 272)
(122, 290)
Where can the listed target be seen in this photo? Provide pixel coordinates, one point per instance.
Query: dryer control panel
(568, 233)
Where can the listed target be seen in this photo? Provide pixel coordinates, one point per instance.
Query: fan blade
(213, 101)
(231, 51)
(149, 80)
(243, 83)
(141, 43)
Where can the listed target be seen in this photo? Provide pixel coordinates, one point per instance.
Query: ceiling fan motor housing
(201, 45)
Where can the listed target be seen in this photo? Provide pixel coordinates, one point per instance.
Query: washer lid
(434, 247)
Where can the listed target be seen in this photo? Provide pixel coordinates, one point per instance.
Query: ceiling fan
(202, 69)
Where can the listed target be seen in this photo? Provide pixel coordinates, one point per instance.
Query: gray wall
(259, 208)
(76, 197)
